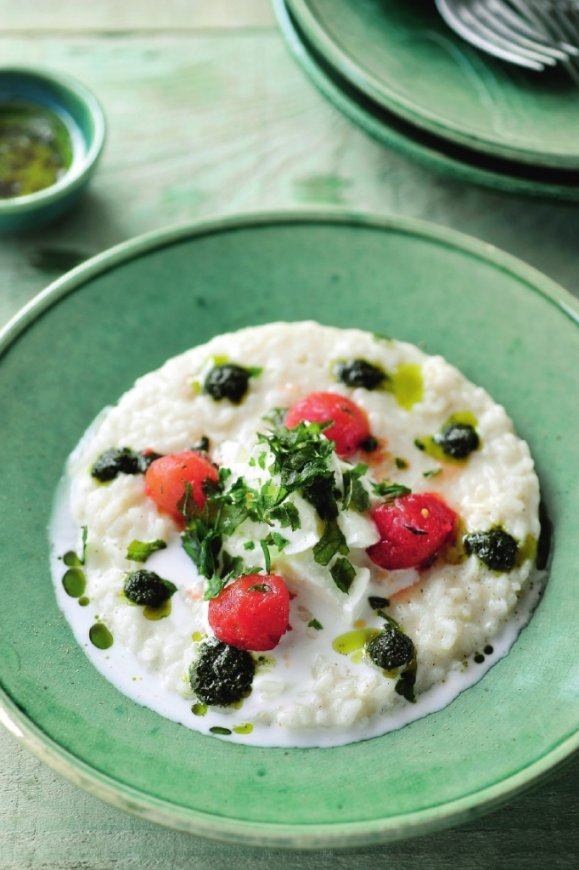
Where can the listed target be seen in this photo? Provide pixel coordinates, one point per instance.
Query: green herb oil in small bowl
(36, 149)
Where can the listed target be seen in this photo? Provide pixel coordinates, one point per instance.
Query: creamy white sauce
(122, 668)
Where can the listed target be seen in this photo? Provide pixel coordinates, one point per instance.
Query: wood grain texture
(202, 125)
(133, 15)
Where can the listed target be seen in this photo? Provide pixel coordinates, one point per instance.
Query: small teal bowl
(84, 117)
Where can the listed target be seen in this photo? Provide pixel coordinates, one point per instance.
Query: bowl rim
(70, 181)
(320, 835)
(384, 94)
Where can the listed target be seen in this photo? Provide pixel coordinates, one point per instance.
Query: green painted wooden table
(208, 115)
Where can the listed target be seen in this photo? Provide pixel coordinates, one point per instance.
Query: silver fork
(524, 33)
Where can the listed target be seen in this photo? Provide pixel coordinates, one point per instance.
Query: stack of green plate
(396, 69)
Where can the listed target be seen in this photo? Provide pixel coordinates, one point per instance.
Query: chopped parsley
(287, 515)
(139, 551)
(315, 623)
(389, 491)
(299, 461)
(331, 542)
(355, 495)
(301, 458)
(266, 555)
(432, 472)
(202, 445)
(400, 463)
(274, 539)
(343, 573)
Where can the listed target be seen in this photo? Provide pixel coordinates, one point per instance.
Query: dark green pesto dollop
(119, 460)
(227, 381)
(457, 440)
(390, 649)
(147, 588)
(496, 549)
(222, 674)
(360, 373)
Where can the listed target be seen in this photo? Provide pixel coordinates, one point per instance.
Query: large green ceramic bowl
(401, 54)
(433, 151)
(83, 341)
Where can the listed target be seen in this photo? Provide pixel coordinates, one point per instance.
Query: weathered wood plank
(205, 125)
(134, 15)
(48, 824)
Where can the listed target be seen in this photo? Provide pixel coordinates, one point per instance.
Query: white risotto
(392, 613)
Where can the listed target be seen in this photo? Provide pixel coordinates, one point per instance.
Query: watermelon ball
(166, 480)
(349, 424)
(252, 612)
(413, 529)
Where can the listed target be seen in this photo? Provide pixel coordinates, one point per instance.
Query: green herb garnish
(355, 495)
(343, 573)
(432, 472)
(390, 491)
(314, 623)
(331, 542)
(139, 551)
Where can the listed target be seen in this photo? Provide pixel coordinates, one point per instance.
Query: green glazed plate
(401, 54)
(86, 338)
(437, 154)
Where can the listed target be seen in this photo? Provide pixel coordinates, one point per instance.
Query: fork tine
(567, 30)
(450, 14)
(552, 25)
(494, 22)
(518, 21)
(492, 36)
(537, 13)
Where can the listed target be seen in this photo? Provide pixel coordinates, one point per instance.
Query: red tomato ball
(413, 528)
(252, 612)
(350, 426)
(167, 477)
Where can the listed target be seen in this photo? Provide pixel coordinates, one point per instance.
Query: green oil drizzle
(265, 663)
(527, 550)
(429, 446)
(199, 709)
(35, 149)
(197, 636)
(154, 613)
(71, 559)
(407, 385)
(217, 729)
(353, 641)
(84, 601)
(74, 582)
(247, 728)
(100, 636)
